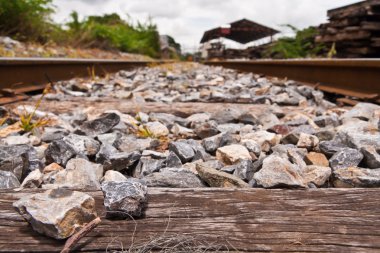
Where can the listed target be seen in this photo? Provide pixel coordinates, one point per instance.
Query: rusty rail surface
(28, 74)
(351, 77)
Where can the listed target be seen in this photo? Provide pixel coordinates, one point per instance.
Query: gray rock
(59, 152)
(183, 150)
(244, 170)
(252, 147)
(363, 111)
(82, 144)
(112, 159)
(110, 138)
(173, 178)
(249, 118)
(15, 140)
(357, 134)
(206, 129)
(19, 159)
(325, 134)
(345, 158)
(329, 148)
(215, 178)
(323, 121)
(33, 180)
(124, 199)
(101, 125)
(131, 143)
(230, 128)
(279, 172)
(356, 177)
(173, 161)
(211, 144)
(214, 164)
(8, 180)
(53, 134)
(147, 166)
(371, 156)
(167, 119)
(57, 213)
(181, 131)
(74, 118)
(198, 118)
(79, 174)
(228, 115)
(113, 176)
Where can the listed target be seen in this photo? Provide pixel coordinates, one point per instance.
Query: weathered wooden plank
(321, 220)
(131, 107)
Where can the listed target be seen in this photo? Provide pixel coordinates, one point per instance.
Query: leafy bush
(26, 19)
(111, 32)
(301, 46)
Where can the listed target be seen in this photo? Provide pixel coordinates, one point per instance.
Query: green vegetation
(26, 118)
(30, 20)
(26, 19)
(301, 46)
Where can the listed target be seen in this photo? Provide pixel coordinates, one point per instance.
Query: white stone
(232, 154)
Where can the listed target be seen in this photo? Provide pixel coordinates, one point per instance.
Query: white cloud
(186, 20)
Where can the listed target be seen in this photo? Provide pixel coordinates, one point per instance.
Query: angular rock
(124, 199)
(79, 174)
(331, 120)
(357, 134)
(181, 131)
(157, 129)
(173, 161)
(59, 152)
(101, 125)
(198, 118)
(183, 150)
(130, 143)
(147, 166)
(215, 178)
(279, 172)
(110, 138)
(265, 139)
(228, 115)
(155, 154)
(19, 159)
(307, 141)
(8, 180)
(232, 154)
(230, 128)
(317, 175)
(249, 118)
(345, 158)
(244, 170)
(252, 147)
(371, 156)
(113, 176)
(363, 111)
(329, 148)
(82, 144)
(15, 140)
(355, 177)
(211, 144)
(317, 159)
(53, 134)
(57, 213)
(206, 129)
(173, 178)
(33, 180)
(112, 159)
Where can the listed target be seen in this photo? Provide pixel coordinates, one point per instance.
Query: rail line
(359, 78)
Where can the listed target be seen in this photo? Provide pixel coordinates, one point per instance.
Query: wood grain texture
(103, 104)
(253, 220)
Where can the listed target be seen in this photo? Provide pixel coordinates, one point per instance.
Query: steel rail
(25, 74)
(351, 77)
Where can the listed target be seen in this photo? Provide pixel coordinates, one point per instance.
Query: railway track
(357, 78)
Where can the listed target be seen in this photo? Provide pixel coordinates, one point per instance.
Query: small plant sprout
(26, 118)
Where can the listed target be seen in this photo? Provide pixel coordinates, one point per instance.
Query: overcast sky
(186, 20)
